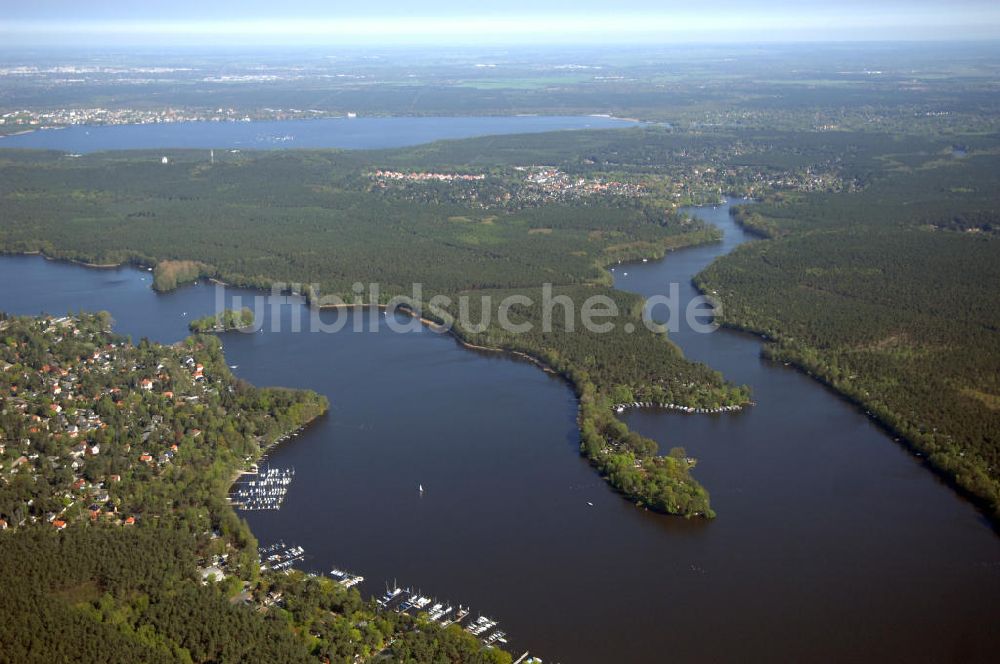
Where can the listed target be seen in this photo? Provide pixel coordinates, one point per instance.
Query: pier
(346, 579)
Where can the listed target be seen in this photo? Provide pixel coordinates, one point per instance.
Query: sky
(41, 23)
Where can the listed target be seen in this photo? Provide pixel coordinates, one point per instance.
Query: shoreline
(896, 437)
(579, 388)
(96, 266)
(331, 115)
(244, 469)
(432, 324)
(870, 411)
(450, 331)
(23, 132)
(74, 261)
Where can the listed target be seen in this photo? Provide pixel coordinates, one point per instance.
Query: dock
(443, 613)
(280, 557)
(346, 579)
(264, 490)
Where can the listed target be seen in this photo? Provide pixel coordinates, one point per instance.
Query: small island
(228, 319)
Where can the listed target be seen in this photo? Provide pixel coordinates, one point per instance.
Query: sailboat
(420, 488)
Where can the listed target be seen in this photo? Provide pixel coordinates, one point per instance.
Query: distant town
(30, 119)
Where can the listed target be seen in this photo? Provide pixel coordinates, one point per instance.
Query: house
(145, 457)
(212, 573)
(3, 524)
(130, 521)
(146, 384)
(59, 524)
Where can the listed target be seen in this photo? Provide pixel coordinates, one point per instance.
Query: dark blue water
(349, 133)
(832, 543)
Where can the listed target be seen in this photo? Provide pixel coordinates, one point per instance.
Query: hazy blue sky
(44, 22)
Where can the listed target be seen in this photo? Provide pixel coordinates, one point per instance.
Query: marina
(280, 557)
(400, 600)
(265, 491)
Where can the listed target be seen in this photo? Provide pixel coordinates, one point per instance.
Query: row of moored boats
(444, 614)
(620, 408)
(266, 491)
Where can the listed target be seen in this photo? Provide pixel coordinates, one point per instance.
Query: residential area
(84, 416)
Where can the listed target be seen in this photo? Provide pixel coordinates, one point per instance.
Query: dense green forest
(101, 594)
(889, 296)
(228, 319)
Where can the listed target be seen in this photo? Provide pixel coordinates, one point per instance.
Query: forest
(890, 297)
(228, 319)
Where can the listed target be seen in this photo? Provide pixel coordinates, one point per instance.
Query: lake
(348, 133)
(832, 543)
